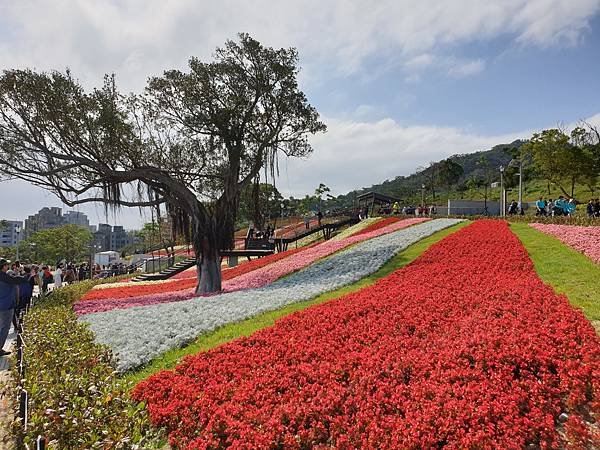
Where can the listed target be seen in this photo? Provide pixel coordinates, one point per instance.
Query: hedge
(76, 400)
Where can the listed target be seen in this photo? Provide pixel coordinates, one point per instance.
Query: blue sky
(399, 83)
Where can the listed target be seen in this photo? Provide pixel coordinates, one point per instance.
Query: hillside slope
(406, 187)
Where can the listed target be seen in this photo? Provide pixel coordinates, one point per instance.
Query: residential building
(109, 238)
(11, 234)
(77, 218)
(118, 238)
(46, 218)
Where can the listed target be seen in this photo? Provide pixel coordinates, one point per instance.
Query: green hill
(408, 188)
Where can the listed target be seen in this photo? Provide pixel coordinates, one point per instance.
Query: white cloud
(138, 38)
(468, 68)
(358, 154)
(419, 62)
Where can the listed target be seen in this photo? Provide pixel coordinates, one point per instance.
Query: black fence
(23, 399)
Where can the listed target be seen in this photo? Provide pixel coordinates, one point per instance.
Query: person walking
(319, 217)
(47, 278)
(590, 208)
(58, 276)
(25, 293)
(8, 297)
(540, 204)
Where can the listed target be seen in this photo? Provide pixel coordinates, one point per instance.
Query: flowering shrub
(255, 274)
(464, 348)
(583, 239)
(76, 401)
(137, 335)
(274, 271)
(149, 293)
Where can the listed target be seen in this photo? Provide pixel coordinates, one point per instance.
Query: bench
(233, 255)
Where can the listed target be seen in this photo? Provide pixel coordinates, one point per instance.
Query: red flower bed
(377, 225)
(186, 283)
(464, 348)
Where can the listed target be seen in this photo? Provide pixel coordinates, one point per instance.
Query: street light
(513, 163)
(422, 195)
(32, 248)
(18, 231)
(502, 200)
(95, 247)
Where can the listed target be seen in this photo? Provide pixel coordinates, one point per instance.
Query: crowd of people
(18, 283)
(562, 206)
(592, 208)
(395, 209)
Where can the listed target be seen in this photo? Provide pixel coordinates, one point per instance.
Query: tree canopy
(566, 159)
(192, 141)
(68, 242)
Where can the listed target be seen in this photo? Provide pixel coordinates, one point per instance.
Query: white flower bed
(139, 334)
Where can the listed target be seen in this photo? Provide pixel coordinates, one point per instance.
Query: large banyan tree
(190, 143)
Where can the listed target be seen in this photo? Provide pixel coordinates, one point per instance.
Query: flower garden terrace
(394, 334)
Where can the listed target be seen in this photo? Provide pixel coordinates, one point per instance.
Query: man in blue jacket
(8, 297)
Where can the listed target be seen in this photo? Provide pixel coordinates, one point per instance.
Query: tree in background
(269, 203)
(587, 138)
(482, 183)
(192, 142)
(431, 176)
(321, 190)
(562, 159)
(68, 242)
(449, 173)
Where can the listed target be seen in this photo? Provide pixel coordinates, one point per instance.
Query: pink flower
(583, 239)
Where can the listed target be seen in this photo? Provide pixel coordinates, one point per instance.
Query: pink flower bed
(272, 272)
(583, 239)
(256, 278)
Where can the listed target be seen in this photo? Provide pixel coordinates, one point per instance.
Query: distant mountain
(404, 187)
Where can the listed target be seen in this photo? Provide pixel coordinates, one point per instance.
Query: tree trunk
(209, 273)
(258, 217)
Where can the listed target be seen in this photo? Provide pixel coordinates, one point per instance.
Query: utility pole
(502, 205)
(521, 185)
(18, 231)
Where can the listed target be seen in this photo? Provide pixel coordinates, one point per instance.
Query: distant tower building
(44, 219)
(102, 236)
(77, 218)
(11, 234)
(118, 238)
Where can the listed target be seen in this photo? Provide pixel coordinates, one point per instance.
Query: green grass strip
(565, 269)
(246, 327)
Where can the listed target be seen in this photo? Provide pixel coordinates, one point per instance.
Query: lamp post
(520, 185)
(502, 206)
(95, 247)
(32, 248)
(513, 163)
(422, 195)
(18, 231)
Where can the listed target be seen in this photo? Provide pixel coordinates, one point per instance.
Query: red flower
(464, 348)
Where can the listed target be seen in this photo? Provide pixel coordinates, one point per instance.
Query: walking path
(6, 397)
